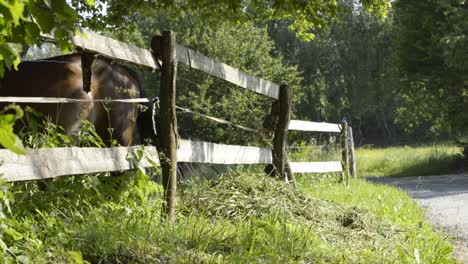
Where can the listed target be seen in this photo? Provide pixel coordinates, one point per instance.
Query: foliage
(432, 59)
(245, 47)
(8, 139)
(305, 16)
(22, 22)
(215, 97)
(348, 72)
(31, 212)
(40, 132)
(409, 161)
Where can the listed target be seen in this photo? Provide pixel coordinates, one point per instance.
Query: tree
(246, 47)
(23, 20)
(305, 16)
(348, 72)
(433, 62)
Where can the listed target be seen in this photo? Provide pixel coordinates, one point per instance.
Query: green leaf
(44, 19)
(15, 10)
(32, 32)
(76, 257)
(8, 139)
(90, 2)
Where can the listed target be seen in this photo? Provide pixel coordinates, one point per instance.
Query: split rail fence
(39, 164)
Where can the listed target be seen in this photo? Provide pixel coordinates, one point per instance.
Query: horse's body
(62, 77)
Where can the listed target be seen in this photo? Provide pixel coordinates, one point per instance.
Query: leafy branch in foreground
(8, 139)
(22, 22)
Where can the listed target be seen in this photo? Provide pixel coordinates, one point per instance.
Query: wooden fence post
(280, 156)
(164, 48)
(87, 60)
(345, 151)
(352, 158)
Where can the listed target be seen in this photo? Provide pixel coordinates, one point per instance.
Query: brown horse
(63, 77)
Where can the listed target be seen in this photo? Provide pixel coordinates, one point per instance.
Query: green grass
(409, 161)
(417, 235)
(241, 217)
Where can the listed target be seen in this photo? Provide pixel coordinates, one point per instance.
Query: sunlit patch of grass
(241, 217)
(394, 206)
(250, 218)
(409, 161)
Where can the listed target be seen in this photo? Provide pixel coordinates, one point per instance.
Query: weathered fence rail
(225, 72)
(314, 126)
(48, 163)
(92, 42)
(51, 163)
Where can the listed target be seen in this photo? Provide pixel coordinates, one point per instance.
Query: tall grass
(241, 217)
(409, 161)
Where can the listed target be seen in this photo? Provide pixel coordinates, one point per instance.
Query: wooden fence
(166, 53)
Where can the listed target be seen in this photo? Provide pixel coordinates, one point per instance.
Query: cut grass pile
(241, 217)
(409, 161)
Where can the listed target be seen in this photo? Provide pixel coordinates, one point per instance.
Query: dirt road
(445, 197)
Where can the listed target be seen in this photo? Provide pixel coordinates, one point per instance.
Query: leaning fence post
(164, 49)
(280, 156)
(345, 151)
(352, 158)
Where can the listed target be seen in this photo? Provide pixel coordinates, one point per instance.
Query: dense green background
(397, 72)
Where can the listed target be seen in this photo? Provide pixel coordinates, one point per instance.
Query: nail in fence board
(46, 163)
(223, 71)
(314, 126)
(316, 167)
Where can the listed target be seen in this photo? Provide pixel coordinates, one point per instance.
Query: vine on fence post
(164, 49)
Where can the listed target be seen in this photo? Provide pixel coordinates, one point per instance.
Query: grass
(240, 217)
(409, 161)
(419, 243)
